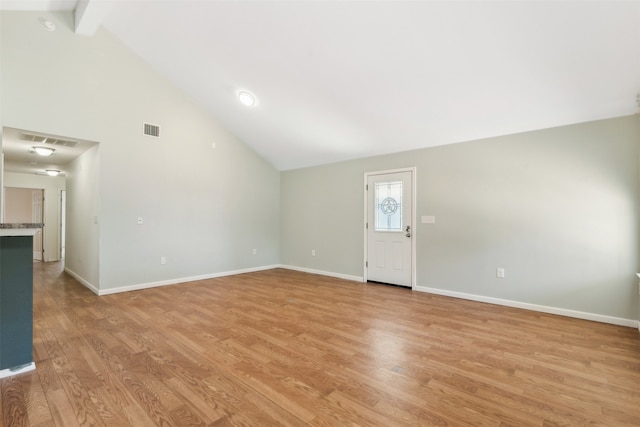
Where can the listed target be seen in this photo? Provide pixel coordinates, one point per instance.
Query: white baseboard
(480, 298)
(324, 273)
(148, 285)
(11, 372)
(81, 279)
(533, 307)
(175, 281)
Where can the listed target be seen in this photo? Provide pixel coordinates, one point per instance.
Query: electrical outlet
(255, 252)
(500, 273)
(313, 252)
(163, 260)
(140, 221)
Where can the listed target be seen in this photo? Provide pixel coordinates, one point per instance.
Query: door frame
(42, 215)
(414, 235)
(62, 236)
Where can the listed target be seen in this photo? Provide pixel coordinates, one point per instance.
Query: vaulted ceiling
(336, 80)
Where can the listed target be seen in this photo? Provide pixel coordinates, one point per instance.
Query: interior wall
(52, 187)
(206, 200)
(556, 208)
(1, 181)
(1, 152)
(18, 205)
(82, 250)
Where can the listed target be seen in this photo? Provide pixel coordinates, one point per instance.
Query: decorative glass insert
(388, 215)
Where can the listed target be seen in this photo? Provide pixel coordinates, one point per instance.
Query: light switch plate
(428, 219)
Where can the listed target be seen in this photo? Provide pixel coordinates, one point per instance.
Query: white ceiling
(337, 80)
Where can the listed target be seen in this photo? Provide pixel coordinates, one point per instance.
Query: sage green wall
(556, 208)
(204, 209)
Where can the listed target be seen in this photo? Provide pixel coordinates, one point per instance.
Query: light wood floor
(288, 348)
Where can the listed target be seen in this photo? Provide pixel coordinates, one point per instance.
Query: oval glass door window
(388, 215)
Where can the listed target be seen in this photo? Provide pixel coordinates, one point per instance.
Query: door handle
(408, 230)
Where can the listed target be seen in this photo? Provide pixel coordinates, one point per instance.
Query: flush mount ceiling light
(43, 151)
(52, 172)
(246, 98)
(48, 25)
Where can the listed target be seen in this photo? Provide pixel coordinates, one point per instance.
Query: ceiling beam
(89, 15)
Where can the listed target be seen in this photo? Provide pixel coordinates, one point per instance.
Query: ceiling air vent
(62, 142)
(152, 130)
(32, 138)
(47, 140)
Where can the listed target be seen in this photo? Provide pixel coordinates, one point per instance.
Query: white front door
(389, 227)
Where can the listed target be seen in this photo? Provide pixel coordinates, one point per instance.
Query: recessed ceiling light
(48, 25)
(52, 172)
(43, 151)
(246, 98)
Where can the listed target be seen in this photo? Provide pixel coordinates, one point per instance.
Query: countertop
(19, 229)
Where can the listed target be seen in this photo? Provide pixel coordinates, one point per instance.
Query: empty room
(324, 213)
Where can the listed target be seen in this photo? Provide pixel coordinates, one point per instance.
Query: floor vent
(152, 130)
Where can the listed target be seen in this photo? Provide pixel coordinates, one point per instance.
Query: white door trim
(413, 171)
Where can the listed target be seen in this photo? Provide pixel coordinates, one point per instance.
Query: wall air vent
(152, 130)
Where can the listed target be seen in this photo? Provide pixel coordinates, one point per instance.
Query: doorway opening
(24, 166)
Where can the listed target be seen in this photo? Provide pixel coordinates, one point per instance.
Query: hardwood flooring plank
(411, 408)
(183, 416)
(345, 409)
(270, 385)
(14, 405)
(35, 399)
(108, 410)
(47, 377)
(269, 413)
(542, 405)
(206, 411)
(287, 348)
(137, 416)
(220, 392)
(144, 397)
(168, 396)
(78, 397)
(62, 409)
(484, 408)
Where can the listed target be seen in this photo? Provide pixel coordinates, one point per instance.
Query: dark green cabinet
(16, 301)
